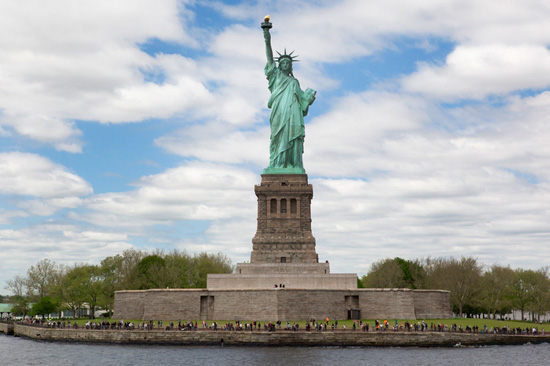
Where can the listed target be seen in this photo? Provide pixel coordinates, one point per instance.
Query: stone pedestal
(284, 220)
(283, 249)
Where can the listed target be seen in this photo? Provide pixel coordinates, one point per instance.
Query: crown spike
(289, 56)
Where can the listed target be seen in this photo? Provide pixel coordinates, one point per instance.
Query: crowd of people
(311, 325)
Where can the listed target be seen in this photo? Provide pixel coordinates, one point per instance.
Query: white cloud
(64, 62)
(36, 186)
(86, 236)
(332, 31)
(194, 192)
(62, 134)
(441, 214)
(474, 72)
(6, 216)
(23, 248)
(356, 130)
(219, 142)
(151, 100)
(48, 207)
(32, 175)
(233, 237)
(472, 181)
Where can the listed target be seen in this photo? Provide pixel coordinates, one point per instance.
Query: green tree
(41, 278)
(179, 266)
(109, 270)
(124, 269)
(152, 272)
(540, 297)
(395, 273)
(496, 291)
(205, 263)
(72, 290)
(384, 273)
(462, 277)
(17, 285)
(21, 308)
(522, 289)
(90, 281)
(119, 272)
(44, 306)
(413, 272)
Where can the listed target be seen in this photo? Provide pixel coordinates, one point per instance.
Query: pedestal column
(284, 220)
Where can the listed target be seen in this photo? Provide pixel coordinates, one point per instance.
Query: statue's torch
(266, 24)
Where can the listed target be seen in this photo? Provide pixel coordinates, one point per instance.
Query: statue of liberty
(289, 105)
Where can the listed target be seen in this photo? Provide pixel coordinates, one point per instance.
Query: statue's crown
(285, 55)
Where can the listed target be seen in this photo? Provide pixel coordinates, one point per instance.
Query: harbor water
(21, 351)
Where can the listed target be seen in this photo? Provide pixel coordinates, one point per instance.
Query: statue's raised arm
(289, 105)
(266, 25)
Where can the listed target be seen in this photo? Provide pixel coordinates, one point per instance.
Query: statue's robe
(288, 108)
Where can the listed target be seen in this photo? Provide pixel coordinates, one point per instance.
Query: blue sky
(144, 125)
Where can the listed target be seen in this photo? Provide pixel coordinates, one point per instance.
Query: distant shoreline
(278, 338)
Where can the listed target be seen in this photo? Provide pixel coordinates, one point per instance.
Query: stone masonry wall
(6, 328)
(284, 220)
(129, 304)
(264, 268)
(387, 303)
(174, 304)
(246, 305)
(316, 304)
(429, 304)
(290, 281)
(279, 338)
(280, 304)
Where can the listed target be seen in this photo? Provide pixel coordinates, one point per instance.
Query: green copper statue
(289, 105)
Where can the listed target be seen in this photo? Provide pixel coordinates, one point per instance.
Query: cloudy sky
(144, 124)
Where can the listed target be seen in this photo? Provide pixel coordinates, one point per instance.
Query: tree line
(52, 287)
(495, 290)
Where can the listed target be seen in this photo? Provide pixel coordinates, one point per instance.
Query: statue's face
(285, 65)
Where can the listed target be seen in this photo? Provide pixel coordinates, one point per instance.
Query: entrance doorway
(352, 306)
(207, 307)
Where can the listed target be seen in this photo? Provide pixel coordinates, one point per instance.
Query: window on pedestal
(273, 204)
(293, 206)
(283, 206)
(283, 259)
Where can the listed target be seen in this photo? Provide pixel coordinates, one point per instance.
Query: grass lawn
(490, 323)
